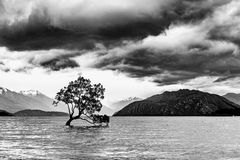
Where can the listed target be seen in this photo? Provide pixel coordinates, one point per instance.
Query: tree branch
(72, 109)
(80, 112)
(85, 120)
(69, 111)
(88, 116)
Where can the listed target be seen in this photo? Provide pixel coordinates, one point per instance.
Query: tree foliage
(82, 96)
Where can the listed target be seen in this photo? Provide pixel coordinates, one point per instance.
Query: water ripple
(126, 138)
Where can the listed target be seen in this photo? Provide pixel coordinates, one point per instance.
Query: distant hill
(39, 113)
(106, 110)
(234, 97)
(181, 103)
(12, 102)
(118, 105)
(5, 113)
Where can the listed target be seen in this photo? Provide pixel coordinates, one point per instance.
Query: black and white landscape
(119, 79)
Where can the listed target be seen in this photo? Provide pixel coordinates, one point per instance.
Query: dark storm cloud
(44, 38)
(58, 64)
(171, 68)
(175, 77)
(224, 78)
(168, 41)
(226, 26)
(39, 34)
(56, 61)
(223, 33)
(25, 61)
(46, 26)
(207, 48)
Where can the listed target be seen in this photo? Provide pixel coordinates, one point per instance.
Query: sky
(135, 48)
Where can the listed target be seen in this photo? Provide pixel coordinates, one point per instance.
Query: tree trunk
(72, 118)
(69, 122)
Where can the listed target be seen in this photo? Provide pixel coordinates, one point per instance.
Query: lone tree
(82, 96)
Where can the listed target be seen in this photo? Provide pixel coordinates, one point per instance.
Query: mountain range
(12, 102)
(182, 103)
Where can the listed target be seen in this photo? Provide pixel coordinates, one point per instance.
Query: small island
(182, 103)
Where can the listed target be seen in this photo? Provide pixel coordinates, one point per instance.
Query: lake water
(178, 138)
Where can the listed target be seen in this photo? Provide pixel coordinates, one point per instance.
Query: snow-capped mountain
(12, 102)
(3, 90)
(30, 92)
(130, 99)
(118, 105)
